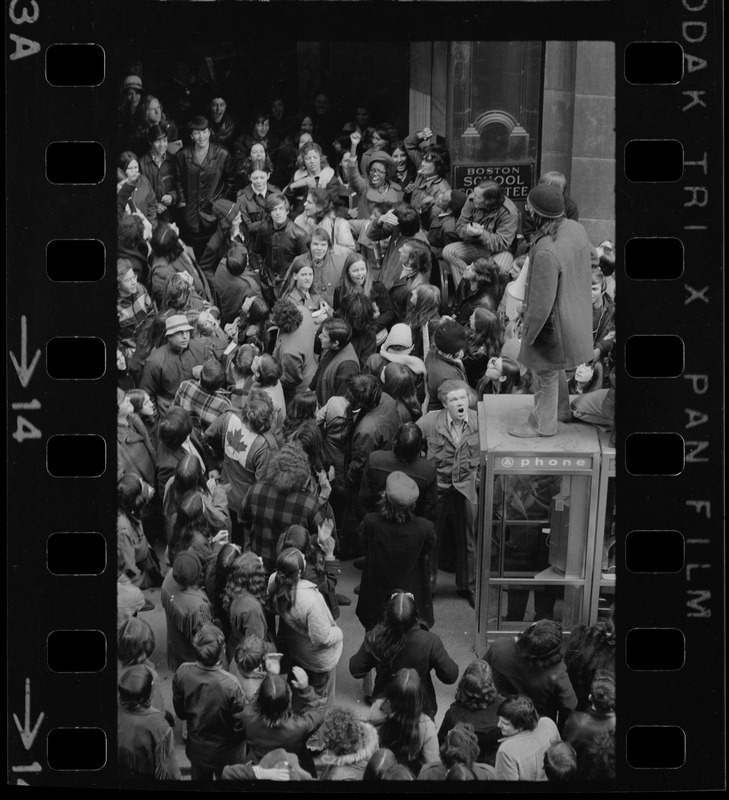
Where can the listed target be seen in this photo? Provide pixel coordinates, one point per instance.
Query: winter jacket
(277, 248)
(500, 225)
(295, 352)
(556, 330)
(351, 766)
(521, 756)
(166, 369)
(308, 633)
(441, 367)
(334, 369)
(203, 184)
(373, 430)
(186, 610)
(367, 196)
(162, 270)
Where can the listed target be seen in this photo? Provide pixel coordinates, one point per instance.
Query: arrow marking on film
(26, 734)
(24, 371)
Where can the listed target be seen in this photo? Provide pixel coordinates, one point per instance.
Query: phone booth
(604, 568)
(537, 523)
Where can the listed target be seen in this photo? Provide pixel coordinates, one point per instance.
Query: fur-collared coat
(350, 767)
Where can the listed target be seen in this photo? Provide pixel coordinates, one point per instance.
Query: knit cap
(400, 334)
(547, 201)
(401, 490)
(450, 337)
(224, 211)
(186, 568)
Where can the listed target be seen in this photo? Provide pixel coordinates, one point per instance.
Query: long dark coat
(396, 557)
(557, 322)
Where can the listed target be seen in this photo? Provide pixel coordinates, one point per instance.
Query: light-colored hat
(133, 82)
(400, 334)
(281, 758)
(401, 490)
(176, 323)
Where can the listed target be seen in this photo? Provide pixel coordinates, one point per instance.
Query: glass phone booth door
(537, 522)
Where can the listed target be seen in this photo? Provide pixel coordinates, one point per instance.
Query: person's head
(606, 257)
(554, 179)
(290, 468)
(305, 136)
(177, 332)
(135, 687)
(199, 131)
(287, 316)
(425, 304)
(517, 265)
(321, 103)
(320, 245)
(450, 338)
(342, 732)
(476, 689)
(359, 311)
(380, 169)
(124, 405)
(460, 746)
(158, 141)
(302, 406)
(277, 108)
(290, 566)
(132, 91)
(415, 257)
(129, 164)
(435, 162)
(212, 375)
(408, 443)
(177, 292)
(399, 339)
(380, 762)
(400, 496)
(503, 372)
(545, 204)
(517, 713)
(208, 644)
(132, 493)
(355, 275)
(311, 157)
(602, 692)
(130, 232)
(404, 694)
(488, 196)
(302, 275)
(165, 242)
(541, 644)
(126, 277)
(257, 310)
(362, 116)
(486, 329)
(560, 762)
(336, 334)
(259, 176)
(151, 110)
(237, 259)
(134, 641)
(257, 414)
(400, 612)
(364, 390)
(318, 203)
(141, 402)
(399, 383)
(408, 221)
(189, 476)
(250, 654)
(599, 287)
(268, 371)
(260, 124)
(453, 394)
(243, 362)
(483, 272)
(600, 757)
(584, 374)
(273, 701)
(277, 208)
(217, 107)
(247, 574)
(174, 427)
(187, 569)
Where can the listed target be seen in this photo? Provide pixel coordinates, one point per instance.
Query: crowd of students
(308, 313)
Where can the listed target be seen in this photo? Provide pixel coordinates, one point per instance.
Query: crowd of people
(308, 314)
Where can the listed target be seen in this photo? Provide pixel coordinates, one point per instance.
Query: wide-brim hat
(401, 490)
(380, 155)
(176, 323)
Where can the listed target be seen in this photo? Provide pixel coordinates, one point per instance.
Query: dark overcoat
(557, 318)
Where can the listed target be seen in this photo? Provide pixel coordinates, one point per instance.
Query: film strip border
(669, 191)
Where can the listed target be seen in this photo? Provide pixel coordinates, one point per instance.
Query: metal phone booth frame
(537, 522)
(604, 569)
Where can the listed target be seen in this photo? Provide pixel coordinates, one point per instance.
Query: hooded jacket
(351, 766)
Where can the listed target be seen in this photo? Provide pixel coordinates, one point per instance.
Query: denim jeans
(551, 401)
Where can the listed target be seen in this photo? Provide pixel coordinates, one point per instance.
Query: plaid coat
(266, 512)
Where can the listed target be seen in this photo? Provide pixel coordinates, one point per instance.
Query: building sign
(539, 464)
(515, 178)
